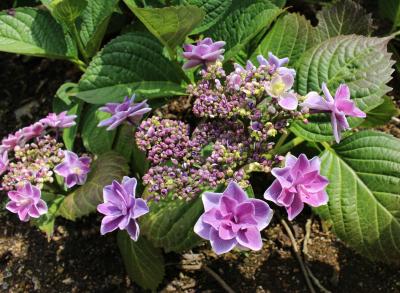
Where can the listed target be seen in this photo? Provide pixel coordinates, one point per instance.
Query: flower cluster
(29, 160)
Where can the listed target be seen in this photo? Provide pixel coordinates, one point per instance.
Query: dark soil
(78, 259)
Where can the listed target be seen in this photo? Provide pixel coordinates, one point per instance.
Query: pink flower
(206, 51)
(121, 208)
(26, 202)
(11, 141)
(232, 219)
(73, 169)
(297, 183)
(32, 131)
(339, 107)
(62, 120)
(3, 162)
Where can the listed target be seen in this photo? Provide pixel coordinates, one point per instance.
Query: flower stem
(288, 146)
(78, 40)
(282, 140)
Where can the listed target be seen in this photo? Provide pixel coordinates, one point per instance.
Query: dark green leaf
(345, 18)
(171, 24)
(381, 114)
(67, 10)
(243, 21)
(46, 222)
(290, 36)
(125, 141)
(143, 262)
(84, 200)
(363, 63)
(130, 63)
(390, 9)
(364, 193)
(34, 32)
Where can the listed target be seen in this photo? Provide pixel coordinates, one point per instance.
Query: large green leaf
(84, 200)
(214, 11)
(96, 139)
(170, 223)
(171, 24)
(143, 262)
(363, 63)
(67, 10)
(290, 36)
(381, 114)
(34, 32)
(93, 21)
(344, 18)
(244, 20)
(130, 63)
(364, 193)
(390, 9)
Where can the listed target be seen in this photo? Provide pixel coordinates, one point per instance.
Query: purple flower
(3, 162)
(339, 107)
(121, 208)
(32, 131)
(288, 101)
(12, 140)
(62, 120)
(26, 202)
(125, 111)
(297, 183)
(232, 219)
(205, 51)
(73, 169)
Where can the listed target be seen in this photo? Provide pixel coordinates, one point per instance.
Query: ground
(78, 259)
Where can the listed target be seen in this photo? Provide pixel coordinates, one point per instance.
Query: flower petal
(250, 238)
(219, 245)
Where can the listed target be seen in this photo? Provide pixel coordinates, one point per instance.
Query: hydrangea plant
(258, 82)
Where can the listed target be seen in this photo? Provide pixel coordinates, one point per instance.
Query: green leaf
(97, 140)
(364, 194)
(170, 223)
(363, 63)
(244, 20)
(143, 262)
(171, 24)
(290, 36)
(125, 141)
(381, 114)
(390, 9)
(84, 200)
(130, 63)
(93, 22)
(34, 32)
(67, 10)
(344, 18)
(214, 11)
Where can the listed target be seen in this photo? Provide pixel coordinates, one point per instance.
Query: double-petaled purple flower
(126, 111)
(12, 140)
(206, 51)
(62, 120)
(275, 64)
(26, 202)
(3, 162)
(297, 183)
(339, 107)
(74, 169)
(232, 219)
(32, 131)
(121, 208)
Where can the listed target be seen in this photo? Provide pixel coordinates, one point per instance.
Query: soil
(78, 259)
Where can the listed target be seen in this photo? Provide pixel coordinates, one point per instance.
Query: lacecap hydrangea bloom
(127, 111)
(121, 208)
(26, 202)
(74, 169)
(232, 219)
(62, 120)
(297, 183)
(338, 107)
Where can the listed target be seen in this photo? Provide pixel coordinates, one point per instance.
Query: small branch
(298, 255)
(316, 281)
(281, 140)
(307, 236)
(218, 279)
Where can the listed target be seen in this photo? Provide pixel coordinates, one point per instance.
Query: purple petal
(227, 204)
(219, 245)
(262, 213)
(225, 232)
(295, 208)
(202, 229)
(327, 94)
(250, 238)
(133, 230)
(288, 101)
(210, 200)
(342, 93)
(140, 208)
(315, 102)
(191, 63)
(234, 191)
(108, 209)
(212, 217)
(336, 130)
(316, 199)
(273, 191)
(109, 224)
(129, 184)
(12, 207)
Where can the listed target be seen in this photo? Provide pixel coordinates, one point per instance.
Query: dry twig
(218, 279)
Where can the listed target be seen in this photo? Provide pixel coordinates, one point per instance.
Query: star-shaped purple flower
(297, 183)
(11, 141)
(3, 162)
(32, 131)
(121, 208)
(206, 51)
(62, 120)
(126, 111)
(232, 219)
(339, 107)
(74, 169)
(26, 202)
